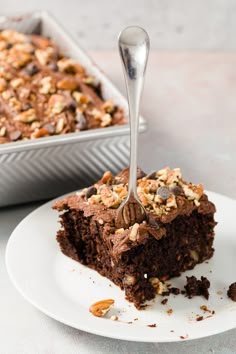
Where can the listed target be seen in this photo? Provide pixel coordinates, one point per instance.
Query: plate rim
(95, 330)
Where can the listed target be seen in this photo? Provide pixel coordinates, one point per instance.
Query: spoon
(134, 48)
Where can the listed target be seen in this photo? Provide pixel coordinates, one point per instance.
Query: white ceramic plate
(63, 289)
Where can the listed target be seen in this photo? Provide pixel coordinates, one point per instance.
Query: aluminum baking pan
(44, 168)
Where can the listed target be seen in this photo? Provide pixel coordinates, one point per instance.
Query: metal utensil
(134, 48)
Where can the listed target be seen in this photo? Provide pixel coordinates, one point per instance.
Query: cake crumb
(232, 292)
(172, 331)
(199, 318)
(195, 287)
(169, 312)
(219, 292)
(163, 302)
(184, 337)
(136, 319)
(72, 270)
(114, 318)
(152, 325)
(205, 308)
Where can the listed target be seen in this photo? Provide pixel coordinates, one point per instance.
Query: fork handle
(134, 48)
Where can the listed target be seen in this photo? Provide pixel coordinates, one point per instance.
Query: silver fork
(134, 48)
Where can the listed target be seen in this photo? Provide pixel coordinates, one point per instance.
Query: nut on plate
(100, 308)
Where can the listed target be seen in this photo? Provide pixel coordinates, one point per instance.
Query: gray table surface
(190, 107)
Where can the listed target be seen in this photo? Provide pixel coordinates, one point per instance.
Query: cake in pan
(44, 93)
(177, 234)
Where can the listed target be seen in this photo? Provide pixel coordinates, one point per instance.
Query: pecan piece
(56, 103)
(3, 84)
(26, 116)
(100, 308)
(69, 84)
(39, 133)
(15, 135)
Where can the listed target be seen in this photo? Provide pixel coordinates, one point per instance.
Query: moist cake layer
(177, 234)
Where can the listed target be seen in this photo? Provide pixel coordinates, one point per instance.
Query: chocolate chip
(15, 135)
(72, 105)
(152, 175)
(53, 67)
(176, 190)
(31, 69)
(9, 45)
(50, 128)
(140, 173)
(25, 106)
(91, 191)
(163, 192)
(153, 222)
(82, 122)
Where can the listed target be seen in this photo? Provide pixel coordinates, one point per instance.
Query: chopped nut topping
(163, 174)
(106, 120)
(3, 84)
(39, 133)
(60, 125)
(119, 231)
(16, 82)
(7, 94)
(34, 74)
(158, 285)
(109, 198)
(67, 84)
(42, 56)
(129, 280)
(26, 116)
(96, 113)
(134, 232)
(156, 194)
(57, 103)
(46, 85)
(3, 131)
(80, 97)
(108, 106)
(90, 80)
(171, 202)
(194, 255)
(106, 177)
(70, 66)
(193, 192)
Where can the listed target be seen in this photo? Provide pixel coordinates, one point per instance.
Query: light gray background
(172, 24)
(190, 107)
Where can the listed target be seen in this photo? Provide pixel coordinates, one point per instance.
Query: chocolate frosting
(154, 226)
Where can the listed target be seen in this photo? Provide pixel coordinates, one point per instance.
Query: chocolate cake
(177, 234)
(43, 93)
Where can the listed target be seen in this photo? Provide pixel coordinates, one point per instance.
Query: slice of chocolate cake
(177, 234)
